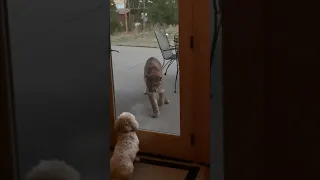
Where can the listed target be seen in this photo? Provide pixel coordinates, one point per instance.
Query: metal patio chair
(167, 52)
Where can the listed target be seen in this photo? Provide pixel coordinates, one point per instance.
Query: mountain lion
(154, 84)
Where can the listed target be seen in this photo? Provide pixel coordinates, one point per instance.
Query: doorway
(160, 29)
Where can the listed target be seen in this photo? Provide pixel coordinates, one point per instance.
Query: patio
(129, 87)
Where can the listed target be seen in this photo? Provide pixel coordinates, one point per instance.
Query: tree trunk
(126, 16)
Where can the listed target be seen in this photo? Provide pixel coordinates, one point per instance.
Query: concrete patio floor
(129, 87)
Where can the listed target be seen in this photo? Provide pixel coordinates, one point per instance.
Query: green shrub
(163, 12)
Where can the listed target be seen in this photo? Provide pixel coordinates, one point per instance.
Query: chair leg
(165, 64)
(171, 61)
(175, 83)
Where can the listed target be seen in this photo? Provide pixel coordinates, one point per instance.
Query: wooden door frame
(201, 108)
(186, 152)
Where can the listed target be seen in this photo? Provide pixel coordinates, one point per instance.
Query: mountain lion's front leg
(154, 105)
(161, 99)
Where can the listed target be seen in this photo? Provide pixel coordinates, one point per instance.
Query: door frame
(166, 143)
(201, 102)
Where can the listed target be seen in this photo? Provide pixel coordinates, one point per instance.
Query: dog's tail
(126, 122)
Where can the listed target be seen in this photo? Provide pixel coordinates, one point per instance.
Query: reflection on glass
(146, 69)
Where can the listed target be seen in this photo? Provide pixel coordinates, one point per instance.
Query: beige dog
(53, 170)
(125, 151)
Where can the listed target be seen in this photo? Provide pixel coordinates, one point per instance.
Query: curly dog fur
(125, 151)
(53, 170)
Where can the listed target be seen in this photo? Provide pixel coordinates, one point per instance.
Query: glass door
(152, 72)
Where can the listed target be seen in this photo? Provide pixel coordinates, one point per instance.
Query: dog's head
(126, 122)
(53, 170)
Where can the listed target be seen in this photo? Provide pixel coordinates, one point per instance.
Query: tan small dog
(125, 151)
(53, 170)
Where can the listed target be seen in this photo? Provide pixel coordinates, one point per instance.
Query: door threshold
(161, 157)
(163, 167)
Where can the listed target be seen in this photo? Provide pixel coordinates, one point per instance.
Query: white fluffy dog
(53, 170)
(125, 151)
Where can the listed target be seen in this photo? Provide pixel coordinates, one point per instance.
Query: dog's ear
(122, 126)
(134, 125)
